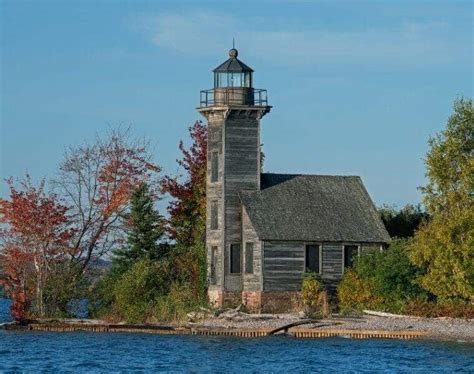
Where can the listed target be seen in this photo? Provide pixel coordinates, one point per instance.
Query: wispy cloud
(407, 44)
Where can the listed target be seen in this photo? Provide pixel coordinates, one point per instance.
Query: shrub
(356, 294)
(314, 297)
(137, 290)
(174, 306)
(454, 309)
(389, 276)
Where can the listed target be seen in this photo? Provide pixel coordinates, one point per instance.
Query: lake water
(100, 352)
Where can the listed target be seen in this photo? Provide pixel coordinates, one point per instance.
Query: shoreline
(366, 327)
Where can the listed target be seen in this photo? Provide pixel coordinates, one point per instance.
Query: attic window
(312, 258)
(235, 258)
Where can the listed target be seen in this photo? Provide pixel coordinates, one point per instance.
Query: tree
(145, 231)
(188, 209)
(445, 245)
(36, 238)
(402, 223)
(97, 180)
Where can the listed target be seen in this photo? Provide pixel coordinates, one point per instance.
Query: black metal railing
(234, 96)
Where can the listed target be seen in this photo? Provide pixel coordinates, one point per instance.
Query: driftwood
(383, 314)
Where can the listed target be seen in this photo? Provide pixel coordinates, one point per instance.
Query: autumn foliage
(97, 180)
(50, 239)
(36, 236)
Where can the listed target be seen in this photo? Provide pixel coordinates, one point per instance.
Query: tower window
(214, 216)
(214, 166)
(213, 278)
(235, 258)
(249, 258)
(312, 258)
(350, 253)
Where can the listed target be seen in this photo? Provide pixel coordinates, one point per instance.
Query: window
(350, 252)
(213, 279)
(235, 258)
(214, 216)
(312, 258)
(214, 166)
(249, 258)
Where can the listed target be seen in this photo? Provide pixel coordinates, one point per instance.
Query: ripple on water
(102, 352)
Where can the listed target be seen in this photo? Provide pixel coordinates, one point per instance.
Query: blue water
(99, 352)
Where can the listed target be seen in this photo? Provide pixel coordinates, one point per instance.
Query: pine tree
(146, 228)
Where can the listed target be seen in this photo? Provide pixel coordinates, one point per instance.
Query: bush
(356, 294)
(382, 280)
(174, 306)
(423, 308)
(137, 290)
(314, 297)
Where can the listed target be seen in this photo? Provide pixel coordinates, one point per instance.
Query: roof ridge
(310, 175)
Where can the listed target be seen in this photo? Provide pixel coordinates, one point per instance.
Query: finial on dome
(233, 53)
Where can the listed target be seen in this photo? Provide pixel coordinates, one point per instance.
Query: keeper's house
(263, 230)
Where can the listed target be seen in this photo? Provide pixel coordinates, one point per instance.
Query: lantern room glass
(233, 79)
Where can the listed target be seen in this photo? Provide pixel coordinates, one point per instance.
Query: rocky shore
(453, 329)
(436, 328)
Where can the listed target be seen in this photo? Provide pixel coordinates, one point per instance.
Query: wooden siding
(252, 282)
(283, 265)
(332, 263)
(235, 136)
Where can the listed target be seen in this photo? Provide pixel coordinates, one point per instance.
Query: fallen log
(384, 314)
(293, 324)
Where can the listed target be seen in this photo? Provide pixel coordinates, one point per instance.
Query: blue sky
(356, 87)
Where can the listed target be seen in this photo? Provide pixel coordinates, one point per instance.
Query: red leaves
(188, 210)
(36, 231)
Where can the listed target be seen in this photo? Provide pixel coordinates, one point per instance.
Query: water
(99, 352)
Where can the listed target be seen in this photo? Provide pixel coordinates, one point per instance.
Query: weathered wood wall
(241, 172)
(284, 263)
(251, 282)
(235, 135)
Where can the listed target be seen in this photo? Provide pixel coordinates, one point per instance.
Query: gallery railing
(234, 96)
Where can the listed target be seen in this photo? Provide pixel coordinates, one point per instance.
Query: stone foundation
(252, 300)
(216, 297)
(281, 302)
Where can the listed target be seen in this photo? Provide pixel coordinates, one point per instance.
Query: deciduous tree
(445, 245)
(35, 238)
(97, 180)
(188, 208)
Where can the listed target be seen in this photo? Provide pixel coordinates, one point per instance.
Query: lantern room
(233, 85)
(233, 73)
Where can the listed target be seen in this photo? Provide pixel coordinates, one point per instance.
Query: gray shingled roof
(314, 207)
(232, 65)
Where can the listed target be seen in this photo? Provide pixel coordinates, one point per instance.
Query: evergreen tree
(404, 222)
(445, 244)
(146, 228)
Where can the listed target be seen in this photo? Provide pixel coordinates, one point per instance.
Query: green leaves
(445, 245)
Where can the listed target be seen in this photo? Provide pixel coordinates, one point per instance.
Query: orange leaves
(36, 229)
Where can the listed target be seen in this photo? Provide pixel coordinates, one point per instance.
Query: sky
(356, 87)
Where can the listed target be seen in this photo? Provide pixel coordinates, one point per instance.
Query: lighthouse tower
(233, 109)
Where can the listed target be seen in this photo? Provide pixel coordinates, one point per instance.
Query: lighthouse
(233, 109)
